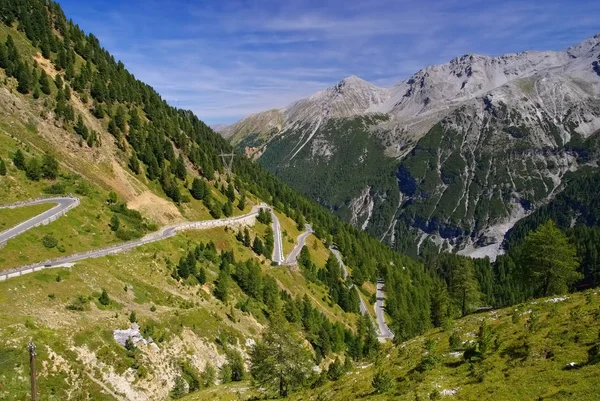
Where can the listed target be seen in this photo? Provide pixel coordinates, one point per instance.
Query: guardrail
(163, 233)
(46, 221)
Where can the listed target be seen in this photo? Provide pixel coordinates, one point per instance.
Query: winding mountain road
(384, 330)
(64, 204)
(293, 256)
(278, 256)
(362, 305)
(163, 233)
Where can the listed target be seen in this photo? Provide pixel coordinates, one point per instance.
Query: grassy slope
(34, 306)
(11, 217)
(566, 330)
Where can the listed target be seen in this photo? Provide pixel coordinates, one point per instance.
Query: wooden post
(32, 355)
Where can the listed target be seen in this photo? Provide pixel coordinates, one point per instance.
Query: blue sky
(226, 59)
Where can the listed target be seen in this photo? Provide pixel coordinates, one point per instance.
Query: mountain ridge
(536, 100)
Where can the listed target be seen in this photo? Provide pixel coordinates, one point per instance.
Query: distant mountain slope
(472, 145)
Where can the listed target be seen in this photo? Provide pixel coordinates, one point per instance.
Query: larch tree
(549, 261)
(279, 362)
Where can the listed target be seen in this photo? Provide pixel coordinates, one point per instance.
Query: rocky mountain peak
(585, 48)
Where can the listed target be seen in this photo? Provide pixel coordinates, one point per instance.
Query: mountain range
(449, 158)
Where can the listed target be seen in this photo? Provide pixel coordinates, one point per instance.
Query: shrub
(80, 304)
(49, 241)
(56, 189)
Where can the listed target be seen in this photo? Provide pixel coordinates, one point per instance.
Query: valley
(449, 158)
(330, 263)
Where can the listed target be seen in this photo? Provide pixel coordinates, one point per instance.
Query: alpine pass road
(277, 246)
(362, 305)
(291, 258)
(163, 233)
(64, 204)
(384, 330)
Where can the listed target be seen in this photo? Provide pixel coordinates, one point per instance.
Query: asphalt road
(163, 233)
(384, 330)
(293, 256)
(362, 305)
(338, 256)
(278, 243)
(63, 203)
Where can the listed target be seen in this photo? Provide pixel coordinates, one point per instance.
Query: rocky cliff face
(473, 145)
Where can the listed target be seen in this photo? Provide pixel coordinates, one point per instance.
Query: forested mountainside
(185, 310)
(453, 156)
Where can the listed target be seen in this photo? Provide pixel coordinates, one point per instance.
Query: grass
(318, 252)
(563, 333)
(11, 217)
(182, 316)
(289, 231)
(298, 286)
(38, 310)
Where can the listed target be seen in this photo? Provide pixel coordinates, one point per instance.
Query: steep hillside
(472, 145)
(546, 349)
(76, 124)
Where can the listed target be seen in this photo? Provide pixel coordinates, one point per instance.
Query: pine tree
(33, 169)
(115, 223)
(104, 299)
(49, 167)
(463, 287)
(230, 193)
(279, 362)
(242, 203)
(179, 168)
(19, 160)
(198, 190)
(58, 82)
(2, 167)
(227, 209)
(246, 237)
(549, 260)
(24, 77)
(201, 276)
(134, 163)
(222, 286)
(257, 246)
(44, 82)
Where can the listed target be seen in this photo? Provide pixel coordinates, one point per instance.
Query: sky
(227, 59)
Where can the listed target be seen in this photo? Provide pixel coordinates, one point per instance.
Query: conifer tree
(33, 169)
(227, 209)
(179, 168)
(257, 246)
(2, 167)
(198, 190)
(44, 82)
(549, 260)
(134, 163)
(24, 78)
(19, 160)
(104, 298)
(49, 167)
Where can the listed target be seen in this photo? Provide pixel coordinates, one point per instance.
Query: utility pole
(32, 355)
(227, 163)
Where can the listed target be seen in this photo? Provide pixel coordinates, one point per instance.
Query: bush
(56, 189)
(49, 241)
(80, 304)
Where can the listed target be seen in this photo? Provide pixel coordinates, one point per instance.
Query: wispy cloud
(224, 60)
